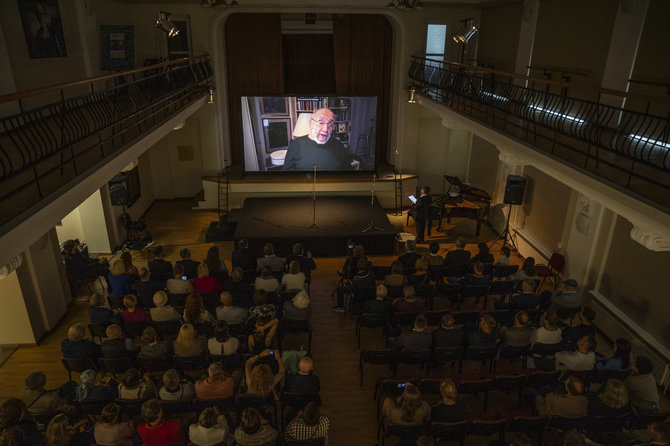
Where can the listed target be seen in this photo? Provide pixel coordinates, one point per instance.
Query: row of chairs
(438, 272)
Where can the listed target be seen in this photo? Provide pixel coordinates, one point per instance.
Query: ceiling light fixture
(405, 4)
(164, 23)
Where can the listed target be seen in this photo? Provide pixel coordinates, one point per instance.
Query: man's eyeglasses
(320, 123)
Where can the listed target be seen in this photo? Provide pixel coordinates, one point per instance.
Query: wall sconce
(164, 24)
(412, 95)
(211, 95)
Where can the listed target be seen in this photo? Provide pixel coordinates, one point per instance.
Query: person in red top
(132, 313)
(205, 283)
(158, 431)
(217, 386)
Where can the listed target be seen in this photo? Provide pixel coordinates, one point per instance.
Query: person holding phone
(180, 283)
(408, 408)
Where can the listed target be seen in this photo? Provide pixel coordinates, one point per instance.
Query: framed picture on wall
(274, 106)
(276, 132)
(117, 47)
(43, 28)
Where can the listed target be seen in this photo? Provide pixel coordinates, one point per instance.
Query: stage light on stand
(164, 23)
(412, 95)
(211, 95)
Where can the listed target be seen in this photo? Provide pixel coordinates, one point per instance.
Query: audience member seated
(217, 385)
(447, 335)
(659, 434)
(484, 255)
(99, 314)
(134, 386)
(519, 334)
(485, 336)
(526, 300)
(39, 400)
(409, 258)
(210, 430)
(269, 258)
(266, 281)
(457, 261)
(215, 265)
(477, 277)
(59, 432)
(204, 283)
(263, 334)
(175, 389)
(87, 390)
(433, 258)
(449, 409)
(298, 308)
(222, 343)
(379, 305)
(230, 313)
(163, 312)
(242, 257)
(408, 408)
(548, 332)
(364, 277)
(240, 290)
(195, 312)
(565, 298)
(294, 279)
(156, 431)
(254, 430)
(305, 260)
(161, 270)
(611, 400)
(417, 339)
(309, 424)
(109, 431)
(17, 426)
(153, 348)
(190, 266)
(582, 359)
(642, 387)
(259, 377)
(504, 259)
(188, 343)
(133, 313)
(131, 269)
(527, 271)
(396, 278)
(304, 382)
(261, 306)
(76, 346)
(115, 346)
(571, 404)
(421, 276)
(621, 358)
(409, 303)
(119, 282)
(81, 267)
(350, 267)
(586, 326)
(179, 284)
(146, 287)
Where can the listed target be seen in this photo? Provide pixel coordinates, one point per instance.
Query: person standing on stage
(422, 213)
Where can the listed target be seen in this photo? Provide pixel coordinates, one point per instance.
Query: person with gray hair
(409, 258)
(416, 340)
(218, 385)
(457, 261)
(305, 260)
(582, 359)
(174, 388)
(76, 346)
(409, 302)
(39, 400)
(447, 335)
(157, 431)
(298, 308)
(269, 258)
(210, 430)
(380, 305)
(88, 390)
(99, 314)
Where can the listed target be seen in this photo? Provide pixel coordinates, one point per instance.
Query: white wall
(15, 325)
(86, 223)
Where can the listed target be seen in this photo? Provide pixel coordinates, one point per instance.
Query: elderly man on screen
(317, 147)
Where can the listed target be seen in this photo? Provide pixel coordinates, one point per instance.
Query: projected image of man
(317, 147)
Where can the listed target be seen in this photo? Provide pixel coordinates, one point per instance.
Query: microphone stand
(314, 225)
(371, 224)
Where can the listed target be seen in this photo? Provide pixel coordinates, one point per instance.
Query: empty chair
(551, 269)
(476, 387)
(369, 320)
(444, 355)
(502, 288)
(476, 291)
(378, 357)
(515, 353)
(294, 326)
(422, 359)
(400, 320)
(151, 365)
(467, 318)
(115, 365)
(483, 355)
(191, 364)
(543, 378)
(448, 431)
(507, 383)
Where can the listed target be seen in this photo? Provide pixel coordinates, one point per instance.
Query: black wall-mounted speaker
(514, 189)
(118, 190)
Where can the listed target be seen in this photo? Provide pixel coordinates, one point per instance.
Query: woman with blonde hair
(205, 283)
(610, 402)
(109, 432)
(298, 308)
(211, 428)
(449, 409)
(396, 278)
(187, 342)
(259, 377)
(421, 276)
(120, 283)
(408, 408)
(294, 279)
(60, 433)
(132, 313)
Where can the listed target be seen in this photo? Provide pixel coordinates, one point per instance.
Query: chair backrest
(607, 423)
(130, 407)
(365, 293)
(412, 357)
(79, 365)
(188, 363)
(527, 424)
(556, 262)
(502, 271)
(435, 317)
(394, 292)
(507, 382)
(115, 365)
(371, 320)
(501, 287)
(407, 432)
(98, 330)
(134, 329)
(481, 353)
(474, 291)
(486, 428)
(175, 407)
(430, 386)
(447, 431)
(567, 424)
(463, 317)
(384, 356)
(475, 386)
(177, 300)
(539, 349)
(381, 272)
(511, 352)
(297, 400)
(424, 292)
(224, 404)
(448, 289)
(115, 301)
(542, 378)
(403, 319)
(153, 364)
(293, 326)
(312, 442)
(443, 355)
(392, 386)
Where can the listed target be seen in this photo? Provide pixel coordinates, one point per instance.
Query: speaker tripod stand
(371, 224)
(505, 236)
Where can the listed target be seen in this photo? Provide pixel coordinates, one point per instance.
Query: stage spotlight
(164, 24)
(412, 95)
(211, 95)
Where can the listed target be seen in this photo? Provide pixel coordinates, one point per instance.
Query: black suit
(408, 260)
(245, 259)
(161, 270)
(146, 291)
(190, 268)
(303, 385)
(422, 216)
(457, 262)
(447, 337)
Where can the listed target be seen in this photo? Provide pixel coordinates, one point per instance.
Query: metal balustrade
(59, 132)
(622, 138)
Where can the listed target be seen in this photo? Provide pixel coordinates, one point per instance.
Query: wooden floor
(350, 408)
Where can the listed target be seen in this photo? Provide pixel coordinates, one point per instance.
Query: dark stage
(285, 221)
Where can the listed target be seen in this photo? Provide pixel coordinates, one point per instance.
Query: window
(436, 39)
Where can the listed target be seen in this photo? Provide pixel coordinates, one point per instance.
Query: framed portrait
(43, 28)
(274, 106)
(341, 127)
(116, 47)
(277, 133)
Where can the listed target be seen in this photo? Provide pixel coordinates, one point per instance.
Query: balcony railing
(54, 134)
(622, 138)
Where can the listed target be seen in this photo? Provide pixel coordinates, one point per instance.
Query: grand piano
(461, 200)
